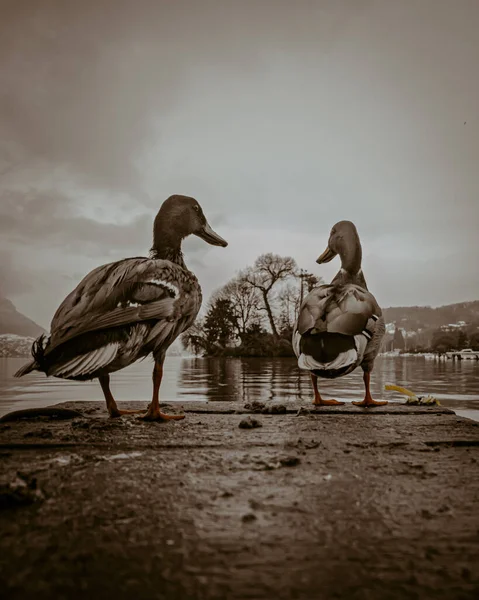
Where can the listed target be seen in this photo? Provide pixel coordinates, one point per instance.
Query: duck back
(333, 329)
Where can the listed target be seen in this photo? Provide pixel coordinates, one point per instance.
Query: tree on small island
(269, 270)
(263, 296)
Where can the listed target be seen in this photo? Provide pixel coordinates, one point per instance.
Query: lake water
(454, 384)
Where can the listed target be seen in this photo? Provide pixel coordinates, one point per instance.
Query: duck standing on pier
(340, 326)
(126, 310)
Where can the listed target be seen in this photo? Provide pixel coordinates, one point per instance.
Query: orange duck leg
(154, 413)
(318, 401)
(368, 399)
(111, 405)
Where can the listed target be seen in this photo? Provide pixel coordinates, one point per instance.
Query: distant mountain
(12, 345)
(12, 321)
(413, 318)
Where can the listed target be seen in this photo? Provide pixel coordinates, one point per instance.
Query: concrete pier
(335, 502)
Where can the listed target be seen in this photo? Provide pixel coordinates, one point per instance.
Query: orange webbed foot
(322, 402)
(369, 402)
(156, 415)
(114, 414)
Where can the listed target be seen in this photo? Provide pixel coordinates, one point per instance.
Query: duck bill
(326, 256)
(210, 236)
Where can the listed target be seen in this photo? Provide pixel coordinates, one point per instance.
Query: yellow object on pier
(411, 396)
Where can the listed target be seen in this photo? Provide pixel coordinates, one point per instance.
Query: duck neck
(167, 246)
(351, 271)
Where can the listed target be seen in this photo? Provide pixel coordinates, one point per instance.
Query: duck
(126, 310)
(340, 325)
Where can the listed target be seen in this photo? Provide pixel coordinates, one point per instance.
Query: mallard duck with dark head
(340, 326)
(125, 310)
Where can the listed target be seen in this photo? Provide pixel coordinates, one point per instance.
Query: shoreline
(38, 390)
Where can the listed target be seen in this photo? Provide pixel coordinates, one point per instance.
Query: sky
(279, 117)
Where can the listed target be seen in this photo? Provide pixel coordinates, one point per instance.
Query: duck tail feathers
(330, 352)
(38, 362)
(38, 350)
(28, 368)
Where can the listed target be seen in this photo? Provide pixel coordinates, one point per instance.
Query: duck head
(343, 240)
(178, 217)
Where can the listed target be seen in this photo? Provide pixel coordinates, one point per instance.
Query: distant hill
(413, 318)
(12, 345)
(12, 321)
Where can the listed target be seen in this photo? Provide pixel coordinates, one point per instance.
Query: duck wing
(125, 292)
(334, 329)
(344, 309)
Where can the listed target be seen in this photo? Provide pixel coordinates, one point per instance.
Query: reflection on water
(455, 384)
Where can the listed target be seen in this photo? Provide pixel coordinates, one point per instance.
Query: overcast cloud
(280, 117)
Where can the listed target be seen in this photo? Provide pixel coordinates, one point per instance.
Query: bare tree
(288, 301)
(268, 270)
(245, 300)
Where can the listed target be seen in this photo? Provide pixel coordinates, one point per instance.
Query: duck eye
(196, 207)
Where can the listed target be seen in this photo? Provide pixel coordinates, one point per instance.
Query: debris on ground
(21, 491)
(81, 423)
(275, 409)
(283, 461)
(43, 433)
(302, 445)
(266, 409)
(290, 461)
(255, 406)
(249, 517)
(249, 423)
